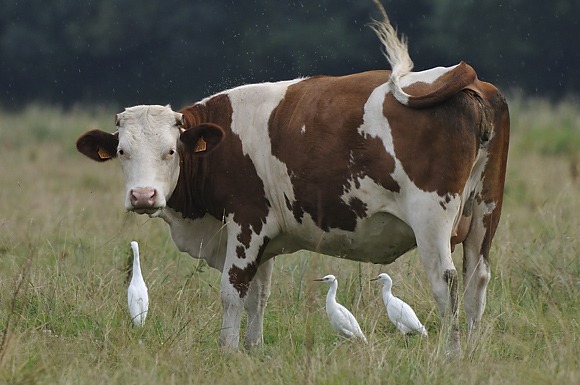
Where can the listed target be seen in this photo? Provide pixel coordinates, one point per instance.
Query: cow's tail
(396, 52)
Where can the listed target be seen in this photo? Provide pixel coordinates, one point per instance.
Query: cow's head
(149, 142)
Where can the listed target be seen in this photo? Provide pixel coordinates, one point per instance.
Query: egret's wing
(138, 301)
(410, 319)
(402, 315)
(350, 326)
(394, 309)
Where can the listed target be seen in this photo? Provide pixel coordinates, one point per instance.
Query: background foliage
(126, 52)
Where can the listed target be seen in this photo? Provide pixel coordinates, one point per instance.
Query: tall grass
(64, 246)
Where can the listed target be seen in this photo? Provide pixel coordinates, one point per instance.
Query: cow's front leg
(243, 255)
(232, 305)
(255, 304)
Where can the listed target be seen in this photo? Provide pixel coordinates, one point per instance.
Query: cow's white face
(146, 142)
(147, 150)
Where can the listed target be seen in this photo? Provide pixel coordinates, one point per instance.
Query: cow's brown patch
(314, 132)
(358, 206)
(436, 146)
(241, 278)
(450, 277)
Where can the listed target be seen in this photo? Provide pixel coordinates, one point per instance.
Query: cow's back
(331, 130)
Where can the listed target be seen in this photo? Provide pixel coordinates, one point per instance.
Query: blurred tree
(520, 44)
(178, 51)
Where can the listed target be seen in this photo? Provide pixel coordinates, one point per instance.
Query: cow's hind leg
(433, 243)
(476, 269)
(486, 212)
(255, 304)
(476, 272)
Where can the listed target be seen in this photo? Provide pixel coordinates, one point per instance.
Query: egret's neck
(331, 296)
(387, 291)
(136, 263)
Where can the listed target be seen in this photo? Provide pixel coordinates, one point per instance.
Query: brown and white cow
(365, 166)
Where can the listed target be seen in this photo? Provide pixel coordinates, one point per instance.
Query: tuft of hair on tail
(395, 50)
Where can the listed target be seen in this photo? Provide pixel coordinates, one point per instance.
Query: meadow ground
(64, 249)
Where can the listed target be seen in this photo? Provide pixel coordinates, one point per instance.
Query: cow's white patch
(252, 106)
(428, 76)
(303, 130)
(375, 124)
(400, 80)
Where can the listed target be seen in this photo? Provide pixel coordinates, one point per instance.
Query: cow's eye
(171, 152)
(120, 152)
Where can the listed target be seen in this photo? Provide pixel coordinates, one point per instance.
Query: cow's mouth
(151, 211)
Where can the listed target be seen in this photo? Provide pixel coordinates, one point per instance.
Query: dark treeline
(177, 51)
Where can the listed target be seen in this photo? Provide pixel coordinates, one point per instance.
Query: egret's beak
(375, 279)
(318, 279)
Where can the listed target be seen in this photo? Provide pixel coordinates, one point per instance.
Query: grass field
(64, 247)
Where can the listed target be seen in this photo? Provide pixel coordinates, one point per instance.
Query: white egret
(137, 293)
(399, 312)
(341, 319)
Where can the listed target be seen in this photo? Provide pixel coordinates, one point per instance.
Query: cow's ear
(98, 145)
(203, 138)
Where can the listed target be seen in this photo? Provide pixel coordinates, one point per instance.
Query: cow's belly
(381, 238)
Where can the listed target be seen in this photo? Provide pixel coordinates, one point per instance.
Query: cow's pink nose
(142, 197)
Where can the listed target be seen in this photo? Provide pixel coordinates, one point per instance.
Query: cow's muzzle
(143, 198)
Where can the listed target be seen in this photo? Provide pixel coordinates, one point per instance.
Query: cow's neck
(201, 238)
(187, 197)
